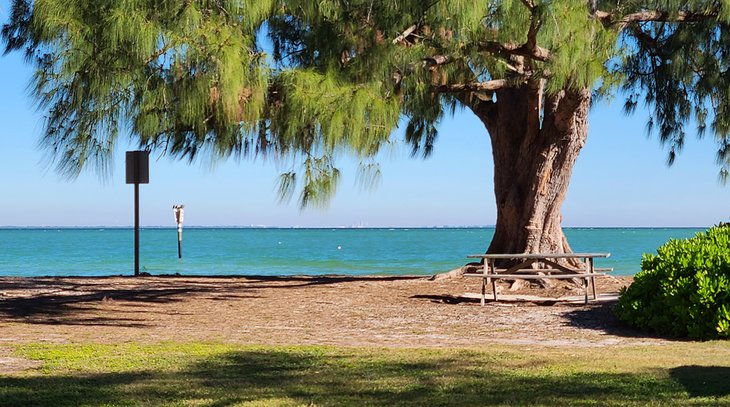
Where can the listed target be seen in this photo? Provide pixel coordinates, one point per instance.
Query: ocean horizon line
(14, 227)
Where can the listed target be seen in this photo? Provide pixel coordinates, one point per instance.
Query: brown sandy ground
(338, 310)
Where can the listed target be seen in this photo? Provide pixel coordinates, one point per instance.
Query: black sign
(138, 167)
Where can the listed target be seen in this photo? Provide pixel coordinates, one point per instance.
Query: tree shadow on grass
(594, 316)
(703, 381)
(443, 299)
(600, 317)
(316, 377)
(75, 282)
(65, 300)
(70, 305)
(67, 308)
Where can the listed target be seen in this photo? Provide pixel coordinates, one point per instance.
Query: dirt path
(339, 310)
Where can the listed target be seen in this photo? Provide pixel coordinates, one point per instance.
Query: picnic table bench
(525, 269)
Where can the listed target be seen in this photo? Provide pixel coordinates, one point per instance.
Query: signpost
(138, 172)
(178, 210)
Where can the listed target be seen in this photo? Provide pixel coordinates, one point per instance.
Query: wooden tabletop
(539, 256)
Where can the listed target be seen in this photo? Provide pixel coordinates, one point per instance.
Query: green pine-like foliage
(683, 290)
(306, 81)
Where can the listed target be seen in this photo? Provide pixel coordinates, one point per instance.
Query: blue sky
(621, 179)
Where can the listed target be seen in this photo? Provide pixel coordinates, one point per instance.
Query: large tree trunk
(533, 160)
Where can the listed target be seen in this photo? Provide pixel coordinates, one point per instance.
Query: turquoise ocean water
(244, 251)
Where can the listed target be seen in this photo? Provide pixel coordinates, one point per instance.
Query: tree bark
(534, 148)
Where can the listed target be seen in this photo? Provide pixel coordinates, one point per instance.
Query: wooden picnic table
(526, 271)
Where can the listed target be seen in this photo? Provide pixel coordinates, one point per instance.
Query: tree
(191, 77)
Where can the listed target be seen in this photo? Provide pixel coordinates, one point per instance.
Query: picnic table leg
(494, 280)
(585, 290)
(485, 281)
(593, 279)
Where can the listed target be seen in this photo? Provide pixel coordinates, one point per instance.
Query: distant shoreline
(334, 227)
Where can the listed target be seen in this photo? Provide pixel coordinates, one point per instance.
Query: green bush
(683, 290)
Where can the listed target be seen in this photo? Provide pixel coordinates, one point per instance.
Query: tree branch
(438, 60)
(160, 52)
(530, 48)
(529, 4)
(535, 24)
(655, 15)
(645, 37)
(492, 85)
(408, 31)
(537, 53)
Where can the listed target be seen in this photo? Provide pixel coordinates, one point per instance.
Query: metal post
(138, 172)
(178, 211)
(136, 229)
(179, 242)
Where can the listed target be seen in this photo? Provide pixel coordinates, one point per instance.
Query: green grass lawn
(207, 374)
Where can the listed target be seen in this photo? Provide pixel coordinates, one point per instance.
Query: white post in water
(178, 211)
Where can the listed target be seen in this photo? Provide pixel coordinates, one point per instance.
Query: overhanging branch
(487, 86)
(655, 15)
(438, 60)
(533, 52)
(408, 31)
(535, 24)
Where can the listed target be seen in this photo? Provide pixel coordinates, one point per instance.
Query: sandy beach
(386, 311)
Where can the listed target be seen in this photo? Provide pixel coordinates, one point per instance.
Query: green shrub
(683, 290)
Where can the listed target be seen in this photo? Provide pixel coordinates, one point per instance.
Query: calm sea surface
(214, 251)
